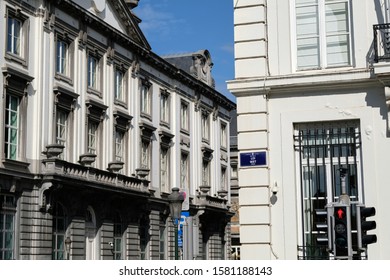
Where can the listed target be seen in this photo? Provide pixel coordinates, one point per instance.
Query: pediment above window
(16, 79)
(147, 129)
(122, 119)
(65, 97)
(207, 153)
(95, 109)
(165, 138)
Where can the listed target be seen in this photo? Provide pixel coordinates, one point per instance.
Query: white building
(312, 88)
(96, 130)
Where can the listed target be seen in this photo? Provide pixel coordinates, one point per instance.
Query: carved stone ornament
(115, 166)
(87, 159)
(54, 150)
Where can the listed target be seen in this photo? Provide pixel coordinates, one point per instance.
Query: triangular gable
(117, 14)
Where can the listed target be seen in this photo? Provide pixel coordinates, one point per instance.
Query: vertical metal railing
(381, 42)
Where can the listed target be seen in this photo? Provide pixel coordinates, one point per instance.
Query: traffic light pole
(342, 235)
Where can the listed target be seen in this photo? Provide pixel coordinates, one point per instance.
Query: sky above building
(184, 26)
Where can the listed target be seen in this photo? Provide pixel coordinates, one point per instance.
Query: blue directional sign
(253, 159)
(184, 215)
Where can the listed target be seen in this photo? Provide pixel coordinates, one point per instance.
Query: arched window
(91, 249)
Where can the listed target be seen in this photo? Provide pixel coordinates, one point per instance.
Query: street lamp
(175, 204)
(67, 247)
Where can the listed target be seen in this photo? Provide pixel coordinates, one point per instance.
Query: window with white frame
(184, 116)
(119, 85)
(93, 69)
(322, 150)
(146, 98)
(14, 109)
(7, 226)
(119, 145)
(17, 36)
(145, 154)
(62, 128)
(12, 127)
(224, 182)
(58, 233)
(164, 169)
(62, 57)
(184, 171)
(205, 173)
(93, 136)
(205, 123)
(94, 130)
(164, 108)
(14, 37)
(322, 33)
(223, 135)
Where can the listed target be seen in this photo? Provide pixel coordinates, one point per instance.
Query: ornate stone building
(96, 130)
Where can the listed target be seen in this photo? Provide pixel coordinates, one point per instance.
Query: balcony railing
(381, 42)
(92, 176)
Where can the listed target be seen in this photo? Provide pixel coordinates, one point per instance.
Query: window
(205, 123)
(224, 184)
(92, 71)
(119, 145)
(91, 240)
(205, 173)
(61, 127)
(92, 144)
(58, 235)
(234, 171)
(119, 85)
(14, 35)
(184, 171)
(146, 99)
(223, 135)
(162, 235)
(62, 57)
(12, 127)
(17, 36)
(184, 116)
(323, 33)
(7, 226)
(164, 108)
(164, 169)
(64, 101)
(15, 102)
(118, 238)
(96, 112)
(322, 150)
(145, 154)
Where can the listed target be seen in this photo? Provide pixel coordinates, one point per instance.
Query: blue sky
(182, 26)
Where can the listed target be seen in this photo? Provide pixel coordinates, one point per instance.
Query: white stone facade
(287, 81)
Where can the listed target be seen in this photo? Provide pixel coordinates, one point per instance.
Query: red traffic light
(340, 213)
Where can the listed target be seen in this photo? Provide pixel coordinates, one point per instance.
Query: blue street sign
(182, 220)
(253, 159)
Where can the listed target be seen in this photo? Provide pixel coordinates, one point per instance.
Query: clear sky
(183, 26)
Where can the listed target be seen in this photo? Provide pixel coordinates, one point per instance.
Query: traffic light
(321, 222)
(342, 231)
(364, 239)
